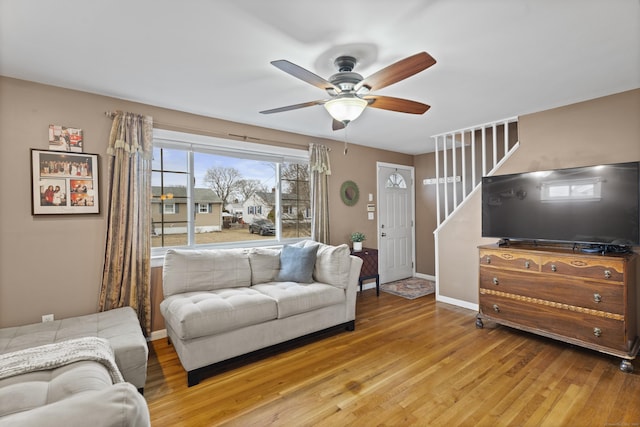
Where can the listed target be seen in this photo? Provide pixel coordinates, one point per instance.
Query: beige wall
(359, 166)
(604, 130)
(53, 264)
(426, 214)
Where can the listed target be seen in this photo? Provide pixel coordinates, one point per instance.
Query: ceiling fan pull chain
(345, 142)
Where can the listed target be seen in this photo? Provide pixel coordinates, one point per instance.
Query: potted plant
(357, 238)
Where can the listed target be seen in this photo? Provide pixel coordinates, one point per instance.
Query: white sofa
(222, 303)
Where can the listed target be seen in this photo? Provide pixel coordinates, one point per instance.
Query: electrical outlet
(47, 317)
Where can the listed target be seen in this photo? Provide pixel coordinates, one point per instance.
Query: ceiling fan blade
(397, 71)
(396, 104)
(337, 125)
(293, 107)
(305, 75)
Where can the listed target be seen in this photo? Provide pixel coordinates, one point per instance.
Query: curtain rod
(206, 132)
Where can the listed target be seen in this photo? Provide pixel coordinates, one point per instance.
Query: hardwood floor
(408, 362)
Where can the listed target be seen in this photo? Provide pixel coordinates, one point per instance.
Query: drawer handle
(496, 308)
(554, 268)
(526, 264)
(488, 259)
(597, 297)
(496, 281)
(597, 332)
(607, 274)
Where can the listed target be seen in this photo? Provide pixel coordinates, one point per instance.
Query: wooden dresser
(583, 299)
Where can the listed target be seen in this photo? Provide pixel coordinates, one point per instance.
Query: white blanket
(50, 356)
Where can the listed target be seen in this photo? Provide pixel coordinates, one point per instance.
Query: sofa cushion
(38, 388)
(333, 264)
(191, 270)
(265, 264)
(295, 298)
(296, 264)
(198, 314)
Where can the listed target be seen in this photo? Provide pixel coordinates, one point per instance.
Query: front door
(395, 222)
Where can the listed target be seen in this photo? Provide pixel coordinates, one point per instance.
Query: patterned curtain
(320, 171)
(127, 265)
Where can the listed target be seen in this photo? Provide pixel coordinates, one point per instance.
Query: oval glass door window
(396, 181)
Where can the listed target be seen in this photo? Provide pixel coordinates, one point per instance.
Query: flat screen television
(593, 205)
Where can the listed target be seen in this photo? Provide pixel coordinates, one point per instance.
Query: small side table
(369, 268)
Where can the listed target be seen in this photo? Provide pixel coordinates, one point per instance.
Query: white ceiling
(495, 58)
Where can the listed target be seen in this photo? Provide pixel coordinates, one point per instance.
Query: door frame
(412, 209)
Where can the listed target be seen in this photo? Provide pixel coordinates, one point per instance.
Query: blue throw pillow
(296, 264)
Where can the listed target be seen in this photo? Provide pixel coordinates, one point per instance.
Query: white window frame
(208, 144)
(206, 208)
(169, 208)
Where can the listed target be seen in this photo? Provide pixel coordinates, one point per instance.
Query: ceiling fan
(349, 91)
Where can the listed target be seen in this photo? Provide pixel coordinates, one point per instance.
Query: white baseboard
(457, 302)
(426, 277)
(365, 286)
(157, 335)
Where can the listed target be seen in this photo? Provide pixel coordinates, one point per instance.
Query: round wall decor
(349, 193)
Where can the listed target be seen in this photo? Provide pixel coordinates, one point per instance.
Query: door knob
(383, 234)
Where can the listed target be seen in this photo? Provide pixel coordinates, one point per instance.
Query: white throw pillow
(192, 270)
(333, 264)
(265, 265)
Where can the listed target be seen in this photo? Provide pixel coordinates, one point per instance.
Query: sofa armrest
(352, 286)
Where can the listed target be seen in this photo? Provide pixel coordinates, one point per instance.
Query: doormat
(410, 288)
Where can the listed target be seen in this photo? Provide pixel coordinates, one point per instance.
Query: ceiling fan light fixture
(346, 109)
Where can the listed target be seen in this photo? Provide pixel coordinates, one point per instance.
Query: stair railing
(459, 171)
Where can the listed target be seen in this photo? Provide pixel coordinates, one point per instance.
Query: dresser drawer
(593, 268)
(541, 318)
(602, 296)
(509, 259)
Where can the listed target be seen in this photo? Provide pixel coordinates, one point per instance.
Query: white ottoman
(120, 326)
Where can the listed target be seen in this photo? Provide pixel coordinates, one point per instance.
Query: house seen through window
(211, 191)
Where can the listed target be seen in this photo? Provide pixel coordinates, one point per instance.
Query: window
(254, 210)
(587, 189)
(234, 183)
(395, 180)
(295, 200)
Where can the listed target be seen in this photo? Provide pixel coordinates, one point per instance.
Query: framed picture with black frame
(64, 183)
